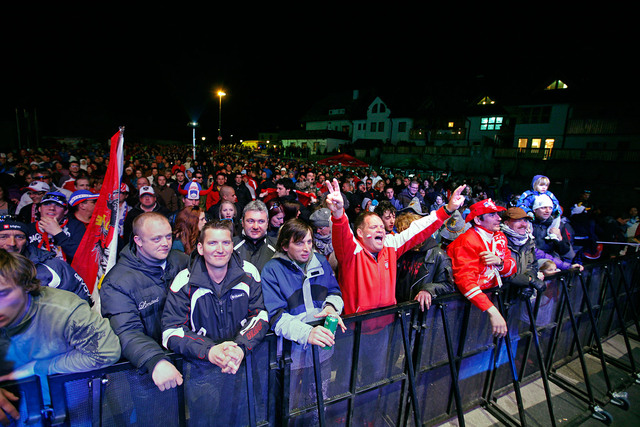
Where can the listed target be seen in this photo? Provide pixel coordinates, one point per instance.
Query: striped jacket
(198, 315)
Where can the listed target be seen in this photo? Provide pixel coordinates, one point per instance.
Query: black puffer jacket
(257, 253)
(132, 296)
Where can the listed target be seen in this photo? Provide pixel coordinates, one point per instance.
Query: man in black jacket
(241, 189)
(221, 296)
(147, 203)
(254, 245)
(214, 315)
(134, 292)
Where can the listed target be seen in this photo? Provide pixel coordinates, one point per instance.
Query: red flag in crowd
(98, 249)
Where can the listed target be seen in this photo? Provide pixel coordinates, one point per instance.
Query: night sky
(155, 72)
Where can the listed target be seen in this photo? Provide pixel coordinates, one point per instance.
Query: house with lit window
(364, 119)
(382, 123)
(541, 120)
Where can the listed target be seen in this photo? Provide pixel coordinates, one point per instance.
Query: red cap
(482, 207)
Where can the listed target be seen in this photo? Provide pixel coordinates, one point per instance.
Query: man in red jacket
(480, 258)
(368, 261)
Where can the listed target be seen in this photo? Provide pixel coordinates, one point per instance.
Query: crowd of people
(215, 252)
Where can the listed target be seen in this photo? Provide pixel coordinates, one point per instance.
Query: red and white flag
(97, 251)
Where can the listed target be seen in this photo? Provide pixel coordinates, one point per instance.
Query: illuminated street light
(194, 125)
(220, 95)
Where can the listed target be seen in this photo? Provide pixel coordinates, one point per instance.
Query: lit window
(450, 124)
(535, 142)
(491, 123)
(548, 143)
(522, 142)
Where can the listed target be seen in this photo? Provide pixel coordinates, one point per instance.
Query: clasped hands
(227, 356)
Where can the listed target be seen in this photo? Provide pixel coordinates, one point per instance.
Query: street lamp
(194, 125)
(220, 95)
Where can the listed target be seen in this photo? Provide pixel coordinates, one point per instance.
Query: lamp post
(220, 95)
(193, 125)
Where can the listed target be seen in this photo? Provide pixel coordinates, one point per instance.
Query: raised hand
(334, 200)
(456, 200)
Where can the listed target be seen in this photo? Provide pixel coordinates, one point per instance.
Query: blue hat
(80, 196)
(537, 177)
(55, 197)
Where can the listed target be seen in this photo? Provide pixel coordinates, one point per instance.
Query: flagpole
(97, 251)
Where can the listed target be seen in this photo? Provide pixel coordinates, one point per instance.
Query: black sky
(154, 72)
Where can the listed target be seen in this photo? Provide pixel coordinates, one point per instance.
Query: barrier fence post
(418, 324)
(452, 366)
(182, 403)
(250, 396)
(286, 382)
(458, 359)
(409, 367)
(318, 377)
(536, 343)
(354, 372)
(491, 404)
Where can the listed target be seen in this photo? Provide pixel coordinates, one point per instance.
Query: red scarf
(46, 243)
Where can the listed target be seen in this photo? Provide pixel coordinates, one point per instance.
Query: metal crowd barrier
(393, 366)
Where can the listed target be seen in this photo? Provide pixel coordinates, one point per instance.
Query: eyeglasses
(41, 177)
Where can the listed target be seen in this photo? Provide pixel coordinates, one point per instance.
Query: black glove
(539, 285)
(520, 281)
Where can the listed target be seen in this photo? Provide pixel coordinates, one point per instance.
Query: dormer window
(486, 101)
(558, 84)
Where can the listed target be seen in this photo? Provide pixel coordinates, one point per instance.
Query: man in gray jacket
(44, 330)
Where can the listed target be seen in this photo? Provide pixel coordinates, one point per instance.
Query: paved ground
(569, 410)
